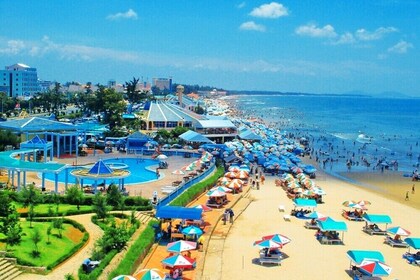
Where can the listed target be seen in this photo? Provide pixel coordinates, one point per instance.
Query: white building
(19, 80)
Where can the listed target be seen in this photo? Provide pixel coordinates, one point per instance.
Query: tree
(58, 224)
(133, 95)
(36, 238)
(30, 195)
(49, 230)
(8, 138)
(13, 234)
(113, 195)
(31, 214)
(99, 206)
(74, 195)
(178, 131)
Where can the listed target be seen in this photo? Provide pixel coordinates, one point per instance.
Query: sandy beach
(306, 257)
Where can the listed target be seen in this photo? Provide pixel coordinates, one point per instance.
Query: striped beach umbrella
(192, 230)
(178, 172)
(267, 244)
(179, 261)
(278, 238)
(181, 246)
(348, 202)
(399, 230)
(224, 181)
(203, 206)
(375, 268)
(221, 188)
(149, 274)
(215, 193)
(125, 277)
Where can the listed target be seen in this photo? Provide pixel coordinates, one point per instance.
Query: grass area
(50, 253)
(42, 209)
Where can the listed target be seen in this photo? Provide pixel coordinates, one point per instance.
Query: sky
(334, 46)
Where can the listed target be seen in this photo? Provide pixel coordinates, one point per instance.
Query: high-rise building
(19, 80)
(163, 83)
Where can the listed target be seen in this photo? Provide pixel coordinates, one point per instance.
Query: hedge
(136, 252)
(194, 191)
(99, 269)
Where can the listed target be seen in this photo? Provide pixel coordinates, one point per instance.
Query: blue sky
(299, 46)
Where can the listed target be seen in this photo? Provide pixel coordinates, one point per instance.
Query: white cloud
(130, 14)
(241, 5)
(401, 47)
(250, 25)
(364, 35)
(272, 10)
(312, 30)
(346, 38)
(13, 47)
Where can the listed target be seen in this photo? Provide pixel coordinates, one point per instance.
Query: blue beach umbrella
(181, 246)
(192, 230)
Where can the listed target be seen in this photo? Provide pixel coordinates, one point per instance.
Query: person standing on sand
(413, 190)
(406, 196)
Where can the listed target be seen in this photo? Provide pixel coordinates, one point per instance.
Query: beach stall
(413, 258)
(328, 231)
(372, 220)
(270, 246)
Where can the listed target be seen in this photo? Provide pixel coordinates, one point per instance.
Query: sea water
(371, 133)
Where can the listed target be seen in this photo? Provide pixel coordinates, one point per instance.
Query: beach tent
(192, 136)
(377, 219)
(178, 212)
(332, 225)
(357, 256)
(300, 202)
(413, 242)
(137, 140)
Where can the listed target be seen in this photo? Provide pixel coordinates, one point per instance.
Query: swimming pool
(137, 167)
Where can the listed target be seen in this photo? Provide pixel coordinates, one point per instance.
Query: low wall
(184, 186)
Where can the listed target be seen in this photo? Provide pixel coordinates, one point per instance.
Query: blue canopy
(377, 219)
(413, 242)
(178, 212)
(192, 136)
(357, 256)
(100, 168)
(301, 202)
(331, 225)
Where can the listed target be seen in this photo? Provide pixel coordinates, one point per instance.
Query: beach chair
(309, 225)
(287, 217)
(282, 208)
(264, 260)
(393, 243)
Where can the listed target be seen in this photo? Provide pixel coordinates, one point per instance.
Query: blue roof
(249, 135)
(357, 256)
(178, 212)
(192, 136)
(36, 124)
(301, 202)
(331, 225)
(8, 161)
(413, 242)
(138, 136)
(377, 219)
(100, 168)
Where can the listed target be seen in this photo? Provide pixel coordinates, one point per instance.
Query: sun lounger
(214, 205)
(268, 260)
(351, 217)
(394, 243)
(309, 225)
(326, 240)
(282, 208)
(411, 258)
(374, 231)
(287, 217)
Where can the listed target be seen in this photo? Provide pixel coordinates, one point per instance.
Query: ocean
(346, 133)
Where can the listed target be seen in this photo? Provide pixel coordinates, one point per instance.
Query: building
(19, 80)
(163, 83)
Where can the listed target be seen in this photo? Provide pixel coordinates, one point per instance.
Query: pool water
(137, 167)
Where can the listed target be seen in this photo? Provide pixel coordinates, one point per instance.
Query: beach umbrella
(319, 191)
(215, 193)
(364, 202)
(244, 167)
(181, 246)
(162, 157)
(398, 230)
(357, 206)
(126, 277)
(231, 174)
(234, 168)
(179, 261)
(242, 174)
(221, 188)
(203, 206)
(308, 193)
(278, 238)
(234, 185)
(268, 243)
(224, 180)
(150, 274)
(178, 172)
(298, 190)
(348, 202)
(375, 268)
(190, 167)
(166, 146)
(315, 215)
(192, 230)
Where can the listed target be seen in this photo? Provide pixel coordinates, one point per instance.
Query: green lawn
(42, 209)
(50, 253)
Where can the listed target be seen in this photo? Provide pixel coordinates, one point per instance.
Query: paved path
(72, 265)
